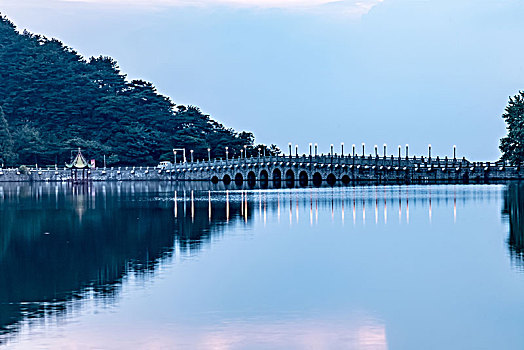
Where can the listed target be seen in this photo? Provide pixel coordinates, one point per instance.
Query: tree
(55, 100)
(28, 143)
(7, 155)
(512, 146)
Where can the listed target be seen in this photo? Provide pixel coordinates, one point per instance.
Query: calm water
(158, 266)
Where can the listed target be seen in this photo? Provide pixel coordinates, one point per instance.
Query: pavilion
(79, 163)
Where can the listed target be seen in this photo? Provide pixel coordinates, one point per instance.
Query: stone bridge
(302, 171)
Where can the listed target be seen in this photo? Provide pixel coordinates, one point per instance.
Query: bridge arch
(317, 179)
(277, 178)
(290, 178)
(264, 178)
(239, 179)
(303, 178)
(251, 179)
(331, 180)
(277, 175)
(226, 179)
(346, 179)
(214, 179)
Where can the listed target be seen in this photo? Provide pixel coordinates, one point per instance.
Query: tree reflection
(514, 210)
(60, 244)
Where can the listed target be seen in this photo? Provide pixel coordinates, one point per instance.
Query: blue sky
(394, 71)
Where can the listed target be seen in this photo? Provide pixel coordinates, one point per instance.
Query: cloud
(346, 8)
(357, 7)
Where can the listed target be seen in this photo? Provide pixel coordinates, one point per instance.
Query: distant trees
(54, 101)
(6, 141)
(512, 146)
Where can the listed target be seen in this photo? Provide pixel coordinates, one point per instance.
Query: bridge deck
(346, 169)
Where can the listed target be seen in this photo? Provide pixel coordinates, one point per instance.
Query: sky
(399, 72)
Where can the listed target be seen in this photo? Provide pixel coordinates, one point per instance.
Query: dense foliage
(53, 101)
(512, 146)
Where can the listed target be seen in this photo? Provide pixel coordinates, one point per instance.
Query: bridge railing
(369, 160)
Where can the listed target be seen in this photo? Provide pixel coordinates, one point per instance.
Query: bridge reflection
(378, 204)
(63, 244)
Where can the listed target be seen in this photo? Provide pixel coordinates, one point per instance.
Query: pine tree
(512, 146)
(7, 156)
(55, 100)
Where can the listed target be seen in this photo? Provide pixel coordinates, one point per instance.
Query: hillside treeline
(53, 100)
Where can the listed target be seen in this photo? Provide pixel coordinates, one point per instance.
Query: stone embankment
(98, 174)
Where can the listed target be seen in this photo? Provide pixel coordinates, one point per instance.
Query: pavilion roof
(79, 162)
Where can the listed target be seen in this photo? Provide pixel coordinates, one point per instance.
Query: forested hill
(52, 101)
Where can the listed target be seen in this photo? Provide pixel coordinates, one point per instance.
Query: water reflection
(61, 244)
(367, 334)
(514, 210)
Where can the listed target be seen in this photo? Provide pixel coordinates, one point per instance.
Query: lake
(197, 266)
